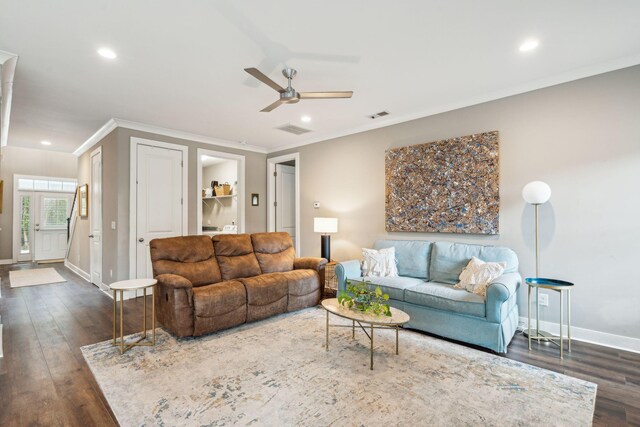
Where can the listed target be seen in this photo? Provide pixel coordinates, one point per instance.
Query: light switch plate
(316, 205)
(113, 225)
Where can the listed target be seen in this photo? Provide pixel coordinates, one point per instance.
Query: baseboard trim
(77, 270)
(588, 335)
(6, 261)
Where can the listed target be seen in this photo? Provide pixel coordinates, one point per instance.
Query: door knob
(141, 240)
(37, 229)
(91, 236)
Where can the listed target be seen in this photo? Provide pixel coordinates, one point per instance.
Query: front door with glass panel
(50, 225)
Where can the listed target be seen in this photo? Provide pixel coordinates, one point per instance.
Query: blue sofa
(424, 289)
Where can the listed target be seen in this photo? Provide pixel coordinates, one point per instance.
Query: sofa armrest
(174, 281)
(498, 292)
(347, 270)
(309, 263)
(174, 303)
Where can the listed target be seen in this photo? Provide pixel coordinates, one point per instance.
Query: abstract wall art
(447, 186)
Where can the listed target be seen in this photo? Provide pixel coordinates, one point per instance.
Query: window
(54, 212)
(25, 224)
(44, 184)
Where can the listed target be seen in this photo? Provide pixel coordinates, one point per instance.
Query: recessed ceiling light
(45, 142)
(528, 45)
(105, 52)
(305, 119)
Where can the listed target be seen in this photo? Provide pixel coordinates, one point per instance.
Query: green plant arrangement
(360, 296)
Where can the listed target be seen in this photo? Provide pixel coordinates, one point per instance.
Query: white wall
(582, 138)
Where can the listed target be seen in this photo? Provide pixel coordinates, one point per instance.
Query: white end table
(130, 285)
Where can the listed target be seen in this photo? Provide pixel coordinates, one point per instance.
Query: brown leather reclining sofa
(207, 284)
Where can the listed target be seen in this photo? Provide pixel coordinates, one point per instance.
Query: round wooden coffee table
(397, 318)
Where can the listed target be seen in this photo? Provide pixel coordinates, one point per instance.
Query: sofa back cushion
(191, 257)
(449, 259)
(412, 255)
(274, 251)
(235, 256)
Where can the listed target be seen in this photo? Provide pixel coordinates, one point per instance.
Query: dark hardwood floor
(44, 379)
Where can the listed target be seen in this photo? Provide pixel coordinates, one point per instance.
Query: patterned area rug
(277, 372)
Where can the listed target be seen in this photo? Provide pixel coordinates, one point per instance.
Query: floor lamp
(325, 226)
(536, 193)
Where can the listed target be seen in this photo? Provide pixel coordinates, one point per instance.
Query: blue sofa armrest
(498, 293)
(347, 270)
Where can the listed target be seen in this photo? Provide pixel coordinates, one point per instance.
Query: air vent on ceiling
(296, 130)
(380, 114)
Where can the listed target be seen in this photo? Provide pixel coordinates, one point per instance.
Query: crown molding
(158, 130)
(569, 76)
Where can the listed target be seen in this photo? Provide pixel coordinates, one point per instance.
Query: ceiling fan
(290, 95)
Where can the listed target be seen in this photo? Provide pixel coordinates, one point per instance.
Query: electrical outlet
(544, 299)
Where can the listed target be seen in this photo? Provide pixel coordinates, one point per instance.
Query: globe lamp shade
(536, 193)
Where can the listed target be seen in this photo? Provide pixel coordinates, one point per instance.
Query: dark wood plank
(44, 379)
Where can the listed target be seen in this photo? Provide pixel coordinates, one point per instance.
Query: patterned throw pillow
(478, 274)
(380, 263)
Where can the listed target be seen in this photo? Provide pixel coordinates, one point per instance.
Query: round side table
(561, 287)
(131, 285)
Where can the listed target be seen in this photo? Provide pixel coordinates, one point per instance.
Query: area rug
(35, 276)
(277, 372)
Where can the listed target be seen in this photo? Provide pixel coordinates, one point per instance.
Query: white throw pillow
(380, 263)
(478, 274)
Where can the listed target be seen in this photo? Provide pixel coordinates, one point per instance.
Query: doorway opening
(283, 196)
(41, 207)
(220, 186)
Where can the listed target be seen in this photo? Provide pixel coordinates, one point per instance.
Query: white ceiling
(180, 64)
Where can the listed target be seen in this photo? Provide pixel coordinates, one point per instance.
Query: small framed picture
(83, 201)
(255, 199)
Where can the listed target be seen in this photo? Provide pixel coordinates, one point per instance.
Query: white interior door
(50, 225)
(286, 200)
(159, 200)
(95, 219)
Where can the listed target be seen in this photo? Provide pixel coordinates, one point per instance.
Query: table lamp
(536, 193)
(325, 226)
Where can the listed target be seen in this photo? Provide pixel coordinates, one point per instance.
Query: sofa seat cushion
(445, 297)
(394, 286)
(304, 288)
(274, 251)
(219, 306)
(267, 295)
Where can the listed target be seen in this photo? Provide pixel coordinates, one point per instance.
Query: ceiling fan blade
(272, 106)
(325, 95)
(264, 79)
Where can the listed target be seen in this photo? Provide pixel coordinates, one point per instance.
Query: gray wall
(582, 138)
(27, 161)
(115, 182)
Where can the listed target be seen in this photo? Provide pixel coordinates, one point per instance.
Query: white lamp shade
(536, 193)
(325, 225)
